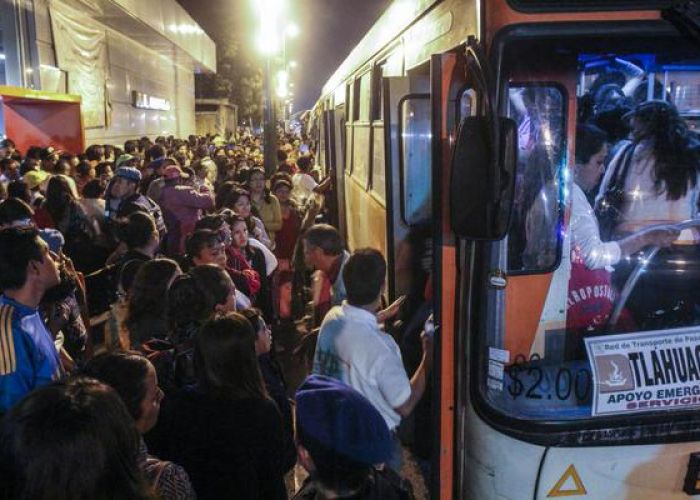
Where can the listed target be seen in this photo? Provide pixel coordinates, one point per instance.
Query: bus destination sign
(648, 371)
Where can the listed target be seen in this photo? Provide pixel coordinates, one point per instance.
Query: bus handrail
(639, 269)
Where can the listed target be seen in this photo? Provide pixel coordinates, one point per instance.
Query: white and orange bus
(443, 128)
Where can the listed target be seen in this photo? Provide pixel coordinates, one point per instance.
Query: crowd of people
(139, 289)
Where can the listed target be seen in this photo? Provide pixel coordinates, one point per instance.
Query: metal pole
(270, 125)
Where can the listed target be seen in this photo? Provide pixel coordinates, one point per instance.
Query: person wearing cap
(36, 182)
(49, 158)
(156, 162)
(124, 190)
(341, 439)
(182, 207)
(352, 348)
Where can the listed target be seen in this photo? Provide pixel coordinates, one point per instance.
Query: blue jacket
(28, 356)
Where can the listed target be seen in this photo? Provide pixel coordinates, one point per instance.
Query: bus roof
(399, 15)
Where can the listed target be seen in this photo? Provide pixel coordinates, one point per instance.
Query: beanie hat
(129, 173)
(53, 238)
(342, 420)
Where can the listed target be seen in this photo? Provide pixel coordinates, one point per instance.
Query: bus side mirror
(483, 178)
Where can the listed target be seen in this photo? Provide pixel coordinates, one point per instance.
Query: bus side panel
(525, 299)
(366, 221)
(498, 466)
(646, 472)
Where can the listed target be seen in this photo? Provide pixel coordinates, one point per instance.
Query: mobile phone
(429, 326)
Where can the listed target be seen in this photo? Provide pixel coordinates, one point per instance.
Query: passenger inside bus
(629, 264)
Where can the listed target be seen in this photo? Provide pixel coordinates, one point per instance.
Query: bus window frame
(613, 430)
(349, 120)
(402, 193)
(562, 179)
(375, 109)
(357, 94)
(356, 123)
(376, 121)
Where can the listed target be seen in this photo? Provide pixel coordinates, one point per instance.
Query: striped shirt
(28, 356)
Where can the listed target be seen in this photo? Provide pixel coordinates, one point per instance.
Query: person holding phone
(353, 349)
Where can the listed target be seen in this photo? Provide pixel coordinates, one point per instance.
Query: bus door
(397, 99)
(339, 166)
(447, 104)
(330, 165)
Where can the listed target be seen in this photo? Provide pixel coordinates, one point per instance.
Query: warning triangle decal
(569, 485)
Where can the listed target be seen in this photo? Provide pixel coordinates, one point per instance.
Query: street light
(292, 30)
(282, 81)
(270, 12)
(270, 42)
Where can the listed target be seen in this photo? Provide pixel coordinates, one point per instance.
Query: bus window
(534, 242)
(363, 105)
(601, 311)
(377, 76)
(361, 130)
(416, 172)
(378, 162)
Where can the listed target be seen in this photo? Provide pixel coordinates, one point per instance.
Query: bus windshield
(601, 312)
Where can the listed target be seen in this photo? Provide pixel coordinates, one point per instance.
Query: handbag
(608, 208)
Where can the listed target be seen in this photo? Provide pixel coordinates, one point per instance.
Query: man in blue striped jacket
(28, 356)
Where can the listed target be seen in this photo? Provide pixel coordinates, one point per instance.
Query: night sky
(329, 31)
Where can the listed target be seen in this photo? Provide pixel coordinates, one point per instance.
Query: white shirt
(585, 234)
(353, 349)
(303, 187)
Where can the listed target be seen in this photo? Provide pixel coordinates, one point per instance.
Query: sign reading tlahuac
(649, 371)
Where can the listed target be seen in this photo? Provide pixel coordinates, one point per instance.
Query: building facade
(132, 62)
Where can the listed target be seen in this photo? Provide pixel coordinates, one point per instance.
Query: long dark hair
(187, 309)
(232, 198)
(125, 372)
(70, 440)
(59, 198)
(225, 360)
(676, 152)
(147, 297)
(266, 192)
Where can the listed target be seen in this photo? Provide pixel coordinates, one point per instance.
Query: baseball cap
(129, 173)
(174, 172)
(340, 419)
(123, 159)
(35, 178)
